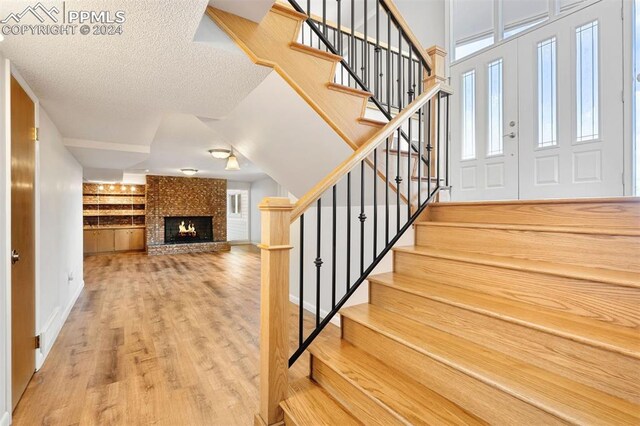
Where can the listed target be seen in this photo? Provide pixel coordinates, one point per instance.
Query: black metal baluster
(318, 261)
(339, 31)
(389, 59)
(398, 181)
(446, 141)
(362, 217)
(409, 153)
(438, 142)
(419, 159)
(386, 191)
(412, 79)
(376, 56)
(301, 291)
(333, 252)
(400, 94)
(375, 202)
(324, 17)
(429, 147)
(365, 49)
(348, 231)
(354, 40)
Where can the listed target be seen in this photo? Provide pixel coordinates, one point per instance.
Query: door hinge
(36, 134)
(37, 341)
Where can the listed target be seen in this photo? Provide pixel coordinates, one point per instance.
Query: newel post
(438, 75)
(274, 308)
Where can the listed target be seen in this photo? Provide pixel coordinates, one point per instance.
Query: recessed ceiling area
(183, 142)
(143, 88)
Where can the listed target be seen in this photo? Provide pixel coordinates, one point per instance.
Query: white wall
(60, 258)
(260, 189)
(5, 238)
(426, 18)
(58, 236)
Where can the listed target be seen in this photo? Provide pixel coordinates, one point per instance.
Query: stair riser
(625, 214)
(574, 360)
(354, 399)
(603, 251)
(593, 300)
(495, 406)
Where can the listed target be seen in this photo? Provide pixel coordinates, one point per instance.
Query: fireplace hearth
(188, 229)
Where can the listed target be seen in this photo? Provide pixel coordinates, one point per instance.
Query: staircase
(522, 312)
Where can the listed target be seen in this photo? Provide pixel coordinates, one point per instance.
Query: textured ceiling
(169, 60)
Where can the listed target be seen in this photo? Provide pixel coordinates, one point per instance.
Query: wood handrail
(365, 150)
(406, 29)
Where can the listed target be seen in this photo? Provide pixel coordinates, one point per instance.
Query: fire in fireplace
(188, 229)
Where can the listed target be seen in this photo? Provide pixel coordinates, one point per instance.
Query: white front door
(561, 114)
(485, 143)
(571, 110)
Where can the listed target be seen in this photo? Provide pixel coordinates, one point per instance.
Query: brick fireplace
(186, 215)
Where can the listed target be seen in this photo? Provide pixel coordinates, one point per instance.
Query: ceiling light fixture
(112, 187)
(101, 187)
(220, 153)
(232, 163)
(189, 172)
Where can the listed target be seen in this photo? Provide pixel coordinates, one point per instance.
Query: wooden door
(106, 240)
(23, 325)
(137, 239)
(122, 239)
(90, 242)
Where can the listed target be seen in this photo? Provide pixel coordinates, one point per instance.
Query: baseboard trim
(311, 308)
(51, 330)
(5, 420)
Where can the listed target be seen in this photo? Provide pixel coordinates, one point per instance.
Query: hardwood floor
(168, 340)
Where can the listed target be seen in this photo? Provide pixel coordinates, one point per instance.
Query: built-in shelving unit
(114, 217)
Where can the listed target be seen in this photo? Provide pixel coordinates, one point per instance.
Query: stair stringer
(309, 71)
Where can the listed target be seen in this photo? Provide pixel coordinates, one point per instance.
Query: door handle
(511, 135)
(15, 257)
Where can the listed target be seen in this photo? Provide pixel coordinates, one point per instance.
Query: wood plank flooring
(169, 340)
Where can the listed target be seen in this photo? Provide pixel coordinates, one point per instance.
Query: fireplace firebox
(188, 229)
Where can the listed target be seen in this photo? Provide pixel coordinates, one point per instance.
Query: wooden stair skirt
(309, 71)
(505, 313)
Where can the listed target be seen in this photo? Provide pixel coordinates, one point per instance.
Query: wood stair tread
(564, 398)
(309, 404)
(349, 90)
(371, 122)
(315, 52)
(537, 228)
(409, 401)
(602, 200)
(609, 276)
(596, 333)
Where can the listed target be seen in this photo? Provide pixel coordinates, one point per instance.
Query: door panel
(573, 168)
(493, 173)
(22, 240)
